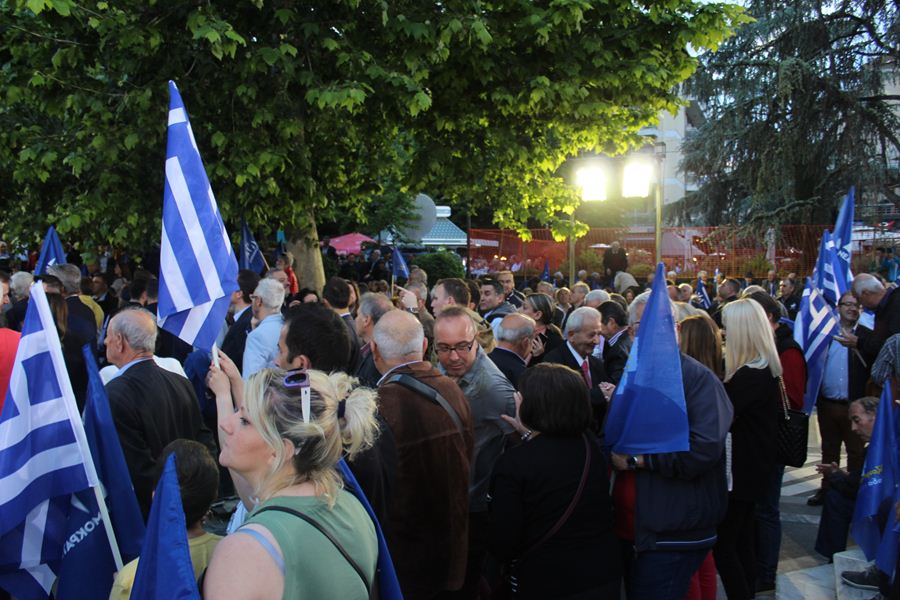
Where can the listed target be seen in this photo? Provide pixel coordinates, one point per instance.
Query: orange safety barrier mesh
(686, 250)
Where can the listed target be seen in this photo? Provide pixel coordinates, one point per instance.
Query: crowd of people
(471, 413)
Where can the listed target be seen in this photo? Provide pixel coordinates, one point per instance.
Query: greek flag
(198, 270)
(843, 234)
(703, 295)
(813, 328)
(44, 457)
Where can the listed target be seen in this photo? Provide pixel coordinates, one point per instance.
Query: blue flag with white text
(52, 252)
(843, 234)
(648, 414)
(879, 477)
(198, 271)
(165, 569)
(703, 295)
(388, 584)
(44, 457)
(250, 257)
(398, 264)
(88, 567)
(828, 273)
(886, 558)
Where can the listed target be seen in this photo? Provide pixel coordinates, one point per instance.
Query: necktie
(586, 371)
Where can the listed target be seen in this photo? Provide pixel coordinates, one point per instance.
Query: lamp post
(659, 153)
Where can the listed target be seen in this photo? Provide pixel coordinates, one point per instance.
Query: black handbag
(793, 432)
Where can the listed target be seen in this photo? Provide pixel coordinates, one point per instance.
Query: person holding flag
(670, 491)
(306, 537)
(51, 252)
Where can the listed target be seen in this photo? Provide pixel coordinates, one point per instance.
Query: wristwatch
(632, 462)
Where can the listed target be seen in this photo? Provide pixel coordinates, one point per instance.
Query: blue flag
(398, 264)
(814, 327)
(44, 457)
(250, 256)
(879, 477)
(388, 584)
(545, 276)
(702, 294)
(165, 569)
(886, 558)
(198, 270)
(843, 234)
(51, 253)
(88, 567)
(828, 272)
(648, 414)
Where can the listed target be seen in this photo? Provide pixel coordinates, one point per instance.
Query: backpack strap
(414, 385)
(328, 535)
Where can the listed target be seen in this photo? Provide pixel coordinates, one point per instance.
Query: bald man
(150, 406)
(429, 417)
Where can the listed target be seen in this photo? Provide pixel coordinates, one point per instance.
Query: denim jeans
(663, 574)
(768, 529)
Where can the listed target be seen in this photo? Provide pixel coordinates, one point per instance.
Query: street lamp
(592, 181)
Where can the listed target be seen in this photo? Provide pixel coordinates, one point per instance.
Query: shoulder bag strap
(413, 384)
(784, 398)
(328, 535)
(571, 508)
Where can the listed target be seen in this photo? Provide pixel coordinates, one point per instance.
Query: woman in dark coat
(752, 369)
(551, 513)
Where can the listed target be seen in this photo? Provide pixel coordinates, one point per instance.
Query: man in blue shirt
(845, 379)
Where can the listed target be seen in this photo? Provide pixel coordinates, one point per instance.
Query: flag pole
(107, 525)
(215, 355)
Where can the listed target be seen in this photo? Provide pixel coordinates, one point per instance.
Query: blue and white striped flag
(702, 295)
(44, 457)
(398, 264)
(198, 270)
(813, 328)
(829, 273)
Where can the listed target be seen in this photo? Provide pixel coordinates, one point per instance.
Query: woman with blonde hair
(306, 537)
(752, 373)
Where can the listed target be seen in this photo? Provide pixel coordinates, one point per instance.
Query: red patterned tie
(586, 371)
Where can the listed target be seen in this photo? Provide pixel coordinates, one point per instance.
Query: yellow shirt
(201, 548)
(95, 308)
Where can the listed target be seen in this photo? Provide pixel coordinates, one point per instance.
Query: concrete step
(850, 560)
(814, 583)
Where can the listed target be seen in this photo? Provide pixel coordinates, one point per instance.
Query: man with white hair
(514, 338)
(885, 303)
(150, 405)
(20, 288)
(261, 348)
(429, 416)
(595, 298)
(372, 306)
(582, 334)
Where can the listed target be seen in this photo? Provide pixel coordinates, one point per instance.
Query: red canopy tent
(349, 243)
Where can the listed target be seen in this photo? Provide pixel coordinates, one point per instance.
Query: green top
(313, 567)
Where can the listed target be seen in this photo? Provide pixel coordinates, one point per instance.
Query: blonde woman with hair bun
(285, 441)
(752, 372)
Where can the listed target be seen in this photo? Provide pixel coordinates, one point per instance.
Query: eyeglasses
(460, 348)
(848, 304)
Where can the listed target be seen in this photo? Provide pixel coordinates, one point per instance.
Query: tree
(306, 112)
(797, 113)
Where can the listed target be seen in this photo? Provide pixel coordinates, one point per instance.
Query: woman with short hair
(551, 513)
(306, 537)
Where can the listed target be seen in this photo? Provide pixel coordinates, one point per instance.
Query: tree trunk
(307, 258)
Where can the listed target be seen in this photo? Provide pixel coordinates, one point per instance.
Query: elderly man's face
(455, 345)
(587, 336)
(861, 422)
(507, 281)
(786, 288)
(282, 278)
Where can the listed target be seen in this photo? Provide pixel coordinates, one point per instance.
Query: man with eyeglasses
(490, 395)
(885, 303)
(844, 381)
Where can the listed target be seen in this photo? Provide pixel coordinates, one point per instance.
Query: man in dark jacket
(616, 341)
(429, 509)
(236, 337)
(513, 345)
(150, 406)
(886, 305)
(678, 498)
